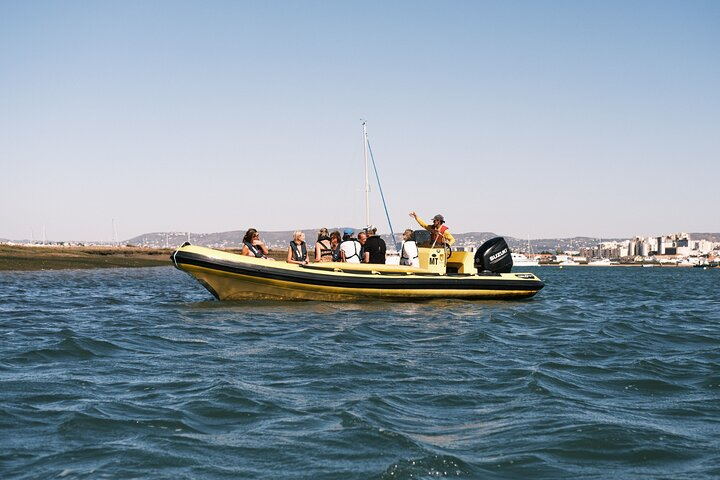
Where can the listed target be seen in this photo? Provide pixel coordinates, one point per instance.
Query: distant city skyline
(280, 237)
(531, 119)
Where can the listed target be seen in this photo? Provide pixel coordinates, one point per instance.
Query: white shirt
(409, 254)
(351, 248)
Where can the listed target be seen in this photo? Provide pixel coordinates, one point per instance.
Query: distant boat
(522, 260)
(706, 265)
(600, 262)
(568, 263)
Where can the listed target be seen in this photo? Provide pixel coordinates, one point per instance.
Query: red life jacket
(438, 237)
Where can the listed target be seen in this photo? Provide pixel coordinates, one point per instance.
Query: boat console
(492, 257)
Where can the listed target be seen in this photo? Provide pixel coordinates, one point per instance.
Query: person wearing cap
(350, 249)
(374, 246)
(441, 234)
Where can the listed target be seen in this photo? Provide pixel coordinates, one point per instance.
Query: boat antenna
(377, 177)
(367, 178)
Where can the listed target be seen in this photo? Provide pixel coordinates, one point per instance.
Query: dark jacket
(376, 247)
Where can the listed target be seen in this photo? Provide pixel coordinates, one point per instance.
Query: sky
(532, 119)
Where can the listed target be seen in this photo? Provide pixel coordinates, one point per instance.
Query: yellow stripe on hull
(233, 277)
(231, 286)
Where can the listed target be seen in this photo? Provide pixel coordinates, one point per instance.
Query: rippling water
(606, 373)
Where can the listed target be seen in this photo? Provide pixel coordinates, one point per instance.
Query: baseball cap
(439, 217)
(348, 231)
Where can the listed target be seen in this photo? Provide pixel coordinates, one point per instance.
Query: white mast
(367, 180)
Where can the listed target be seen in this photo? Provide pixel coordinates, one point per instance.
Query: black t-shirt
(375, 246)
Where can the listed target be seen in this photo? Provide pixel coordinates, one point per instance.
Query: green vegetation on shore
(15, 257)
(18, 257)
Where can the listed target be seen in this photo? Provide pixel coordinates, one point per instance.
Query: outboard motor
(494, 256)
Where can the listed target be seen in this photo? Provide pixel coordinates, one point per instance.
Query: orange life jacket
(438, 237)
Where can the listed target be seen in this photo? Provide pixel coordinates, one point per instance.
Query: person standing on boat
(253, 246)
(350, 249)
(323, 247)
(297, 251)
(441, 234)
(375, 246)
(409, 250)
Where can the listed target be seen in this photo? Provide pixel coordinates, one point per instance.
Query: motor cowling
(494, 256)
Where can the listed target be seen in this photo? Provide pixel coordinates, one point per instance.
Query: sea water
(122, 373)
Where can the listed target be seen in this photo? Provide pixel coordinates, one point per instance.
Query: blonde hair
(297, 234)
(323, 232)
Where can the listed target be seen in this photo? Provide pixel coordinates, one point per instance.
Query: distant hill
(712, 237)
(280, 240)
(232, 239)
(275, 240)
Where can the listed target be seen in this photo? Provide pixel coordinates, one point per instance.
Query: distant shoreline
(27, 258)
(34, 258)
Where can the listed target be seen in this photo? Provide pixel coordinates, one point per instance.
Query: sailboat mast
(367, 178)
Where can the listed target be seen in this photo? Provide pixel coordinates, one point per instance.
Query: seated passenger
(323, 247)
(297, 251)
(253, 246)
(350, 248)
(364, 255)
(409, 250)
(335, 245)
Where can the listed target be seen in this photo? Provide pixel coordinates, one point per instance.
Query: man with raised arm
(441, 234)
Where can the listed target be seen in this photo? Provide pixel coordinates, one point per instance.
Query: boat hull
(234, 277)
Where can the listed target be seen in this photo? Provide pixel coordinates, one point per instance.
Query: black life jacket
(299, 254)
(255, 251)
(325, 248)
(376, 248)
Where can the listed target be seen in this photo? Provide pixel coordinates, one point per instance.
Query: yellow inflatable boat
(485, 274)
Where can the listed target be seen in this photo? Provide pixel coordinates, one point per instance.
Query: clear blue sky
(526, 118)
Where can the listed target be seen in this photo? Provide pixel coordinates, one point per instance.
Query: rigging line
(382, 195)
